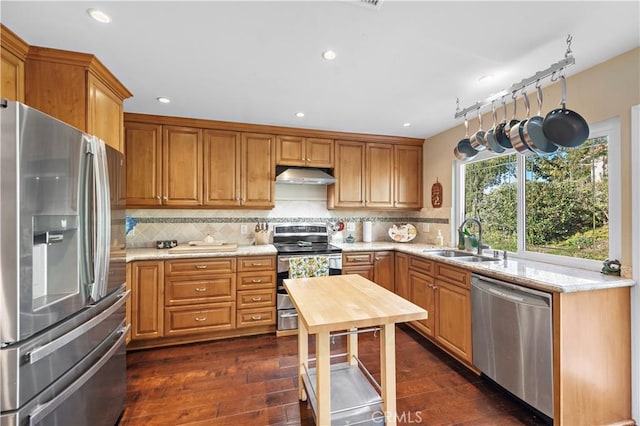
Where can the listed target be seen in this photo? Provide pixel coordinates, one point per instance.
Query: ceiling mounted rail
(553, 69)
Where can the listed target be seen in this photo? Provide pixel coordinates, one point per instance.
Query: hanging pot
(516, 132)
(501, 132)
(564, 127)
(511, 129)
(490, 136)
(477, 139)
(464, 151)
(532, 132)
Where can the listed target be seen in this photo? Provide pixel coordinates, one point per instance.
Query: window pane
(566, 197)
(491, 195)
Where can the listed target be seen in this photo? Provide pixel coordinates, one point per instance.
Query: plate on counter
(403, 233)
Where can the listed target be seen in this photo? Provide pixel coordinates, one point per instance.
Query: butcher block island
(344, 393)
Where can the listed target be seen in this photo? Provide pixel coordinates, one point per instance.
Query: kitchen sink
(448, 253)
(476, 258)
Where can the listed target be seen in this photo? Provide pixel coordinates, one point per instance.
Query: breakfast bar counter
(346, 303)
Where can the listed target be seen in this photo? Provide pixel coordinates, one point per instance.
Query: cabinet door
(143, 148)
(290, 151)
(408, 176)
(319, 152)
(402, 275)
(423, 295)
(147, 299)
(384, 269)
(12, 73)
(379, 171)
(348, 191)
(453, 323)
(182, 166)
(222, 168)
(105, 114)
(365, 271)
(258, 169)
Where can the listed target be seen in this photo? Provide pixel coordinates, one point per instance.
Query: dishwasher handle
(511, 292)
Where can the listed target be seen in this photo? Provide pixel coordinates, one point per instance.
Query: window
(566, 203)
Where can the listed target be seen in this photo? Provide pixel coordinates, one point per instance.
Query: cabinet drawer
(216, 288)
(255, 280)
(361, 258)
(257, 316)
(421, 265)
(256, 299)
(454, 275)
(256, 263)
(200, 266)
(199, 319)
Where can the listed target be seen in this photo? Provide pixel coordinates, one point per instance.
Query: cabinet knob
(201, 289)
(157, 197)
(308, 159)
(164, 197)
(256, 317)
(200, 319)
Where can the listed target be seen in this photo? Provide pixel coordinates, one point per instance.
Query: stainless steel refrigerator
(62, 273)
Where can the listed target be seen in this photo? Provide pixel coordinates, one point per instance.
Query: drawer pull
(201, 266)
(201, 289)
(200, 319)
(256, 281)
(355, 258)
(256, 264)
(256, 317)
(256, 299)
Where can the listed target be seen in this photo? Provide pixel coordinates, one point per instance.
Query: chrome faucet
(473, 219)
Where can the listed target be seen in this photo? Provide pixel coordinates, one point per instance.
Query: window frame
(609, 128)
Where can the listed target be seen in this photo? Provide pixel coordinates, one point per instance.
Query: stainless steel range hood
(305, 176)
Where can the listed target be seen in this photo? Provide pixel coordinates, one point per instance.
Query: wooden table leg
(352, 346)
(323, 377)
(388, 372)
(303, 358)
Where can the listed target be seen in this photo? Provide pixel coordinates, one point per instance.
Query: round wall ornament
(436, 194)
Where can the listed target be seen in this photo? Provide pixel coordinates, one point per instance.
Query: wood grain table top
(341, 302)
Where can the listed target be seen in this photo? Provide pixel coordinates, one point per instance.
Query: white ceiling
(260, 62)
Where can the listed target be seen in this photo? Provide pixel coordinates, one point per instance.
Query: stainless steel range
(300, 240)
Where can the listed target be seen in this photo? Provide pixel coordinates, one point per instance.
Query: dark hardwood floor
(252, 381)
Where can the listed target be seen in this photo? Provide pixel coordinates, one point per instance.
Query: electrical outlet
(351, 226)
(425, 227)
(243, 229)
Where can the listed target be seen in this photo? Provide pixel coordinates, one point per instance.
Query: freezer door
(90, 394)
(43, 181)
(30, 367)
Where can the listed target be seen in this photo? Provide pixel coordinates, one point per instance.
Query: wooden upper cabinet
(299, 151)
(13, 52)
(379, 175)
(77, 89)
(258, 170)
(143, 147)
(349, 189)
(182, 166)
(408, 176)
(222, 168)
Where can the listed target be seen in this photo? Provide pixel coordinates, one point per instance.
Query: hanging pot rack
(552, 70)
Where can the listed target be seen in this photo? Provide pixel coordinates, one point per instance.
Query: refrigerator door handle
(102, 211)
(46, 350)
(44, 410)
(86, 216)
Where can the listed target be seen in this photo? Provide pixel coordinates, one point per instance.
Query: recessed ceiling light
(299, 114)
(163, 100)
(329, 55)
(485, 78)
(407, 124)
(99, 16)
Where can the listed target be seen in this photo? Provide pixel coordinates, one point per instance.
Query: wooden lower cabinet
(402, 275)
(147, 299)
(377, 266)
(422, 293)
(196, 299)
(453, 319)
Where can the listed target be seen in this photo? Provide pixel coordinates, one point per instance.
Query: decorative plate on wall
(403, 233)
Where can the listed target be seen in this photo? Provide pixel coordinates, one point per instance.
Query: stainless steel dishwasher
(512, 339)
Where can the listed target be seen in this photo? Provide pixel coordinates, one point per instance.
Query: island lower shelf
(354, 398)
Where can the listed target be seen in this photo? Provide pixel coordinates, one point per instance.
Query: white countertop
(543, 276)
(540, 275)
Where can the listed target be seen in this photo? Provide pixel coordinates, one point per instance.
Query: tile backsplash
(304, 204)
